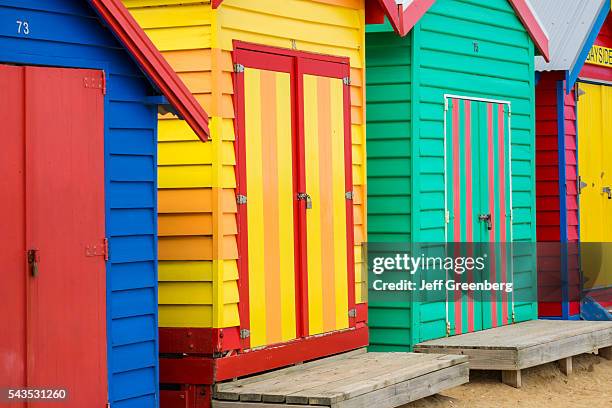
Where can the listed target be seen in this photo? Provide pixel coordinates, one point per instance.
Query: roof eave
(413, 13)
(153, 63)
(530, 21)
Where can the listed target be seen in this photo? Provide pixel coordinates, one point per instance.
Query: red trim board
(152, 62)
(208, 370)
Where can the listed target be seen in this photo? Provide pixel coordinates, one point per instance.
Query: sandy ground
(543, 387)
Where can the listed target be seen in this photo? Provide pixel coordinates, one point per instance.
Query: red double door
(53, 275)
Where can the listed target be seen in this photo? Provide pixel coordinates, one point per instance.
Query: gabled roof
(573, 27)
(390, 8)
(411, 12)
(153, 64)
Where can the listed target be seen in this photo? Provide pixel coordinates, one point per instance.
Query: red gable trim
(533, 26)
(392, 11)
(153, 64)
(418, 8)
(413, 14)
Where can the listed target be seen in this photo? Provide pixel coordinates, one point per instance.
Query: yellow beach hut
(260, 230)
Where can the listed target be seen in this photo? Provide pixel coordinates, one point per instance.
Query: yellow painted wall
(197, 247)
(595, 168)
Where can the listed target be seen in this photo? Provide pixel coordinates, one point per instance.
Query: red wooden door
(12, 233)
(56, 184)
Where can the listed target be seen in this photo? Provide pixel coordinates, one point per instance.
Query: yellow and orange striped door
(270, 214)
(326, 223)
(294, 183)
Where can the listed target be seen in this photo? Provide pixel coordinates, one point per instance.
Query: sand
(545, 386)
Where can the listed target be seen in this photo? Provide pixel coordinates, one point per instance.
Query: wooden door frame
(297, 64)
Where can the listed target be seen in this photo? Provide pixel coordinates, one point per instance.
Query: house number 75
(23, 27)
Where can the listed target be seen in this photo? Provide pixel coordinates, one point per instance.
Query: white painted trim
(471, 98)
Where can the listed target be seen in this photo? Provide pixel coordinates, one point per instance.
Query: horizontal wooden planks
(524, 344)
(389, 379)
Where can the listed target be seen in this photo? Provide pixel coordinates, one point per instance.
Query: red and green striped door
(478, 201)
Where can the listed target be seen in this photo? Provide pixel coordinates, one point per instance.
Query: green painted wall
(406, 81)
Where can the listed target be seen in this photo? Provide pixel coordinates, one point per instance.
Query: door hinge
(241, 199)
(447, 216)
(352, 313)
(349, 195)
(346, 80)
(98, 249)
(238, 68)
(581, 185)
(447, 328)
(245, 333)
(96, 83)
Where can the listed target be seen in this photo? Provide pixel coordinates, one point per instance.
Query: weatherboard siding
(388, 94)
(67, 33)
(198, 247)
(547, 160)
(556, 223)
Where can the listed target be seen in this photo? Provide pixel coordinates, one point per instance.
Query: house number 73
(23, 27)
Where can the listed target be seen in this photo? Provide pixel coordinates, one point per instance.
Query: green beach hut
(451, 153)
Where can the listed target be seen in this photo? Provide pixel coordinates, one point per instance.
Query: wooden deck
(352, 380)
(515, 347)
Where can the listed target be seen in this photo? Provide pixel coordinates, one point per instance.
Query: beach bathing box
(451, 155)
(573, 28)
(260, 230)
(80, 87)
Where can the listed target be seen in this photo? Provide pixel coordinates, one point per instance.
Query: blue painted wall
(67, 33)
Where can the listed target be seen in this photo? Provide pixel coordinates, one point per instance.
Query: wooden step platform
(515, 347)
(352, 380)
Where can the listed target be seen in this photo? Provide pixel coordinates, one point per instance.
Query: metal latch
(349, 195)
(33, 260)
(241, 199)
(346, 81)
(608, 191)
(238, 68)
(352, 313)
(488, 219)
(307, 198)
(245, 333)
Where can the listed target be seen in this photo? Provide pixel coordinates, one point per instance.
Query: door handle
(608, 191)
(33, 260)
(488, 219)
(307, 198)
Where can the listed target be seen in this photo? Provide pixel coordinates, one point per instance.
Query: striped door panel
(479, 185)
(326, 221)
(270, 209)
